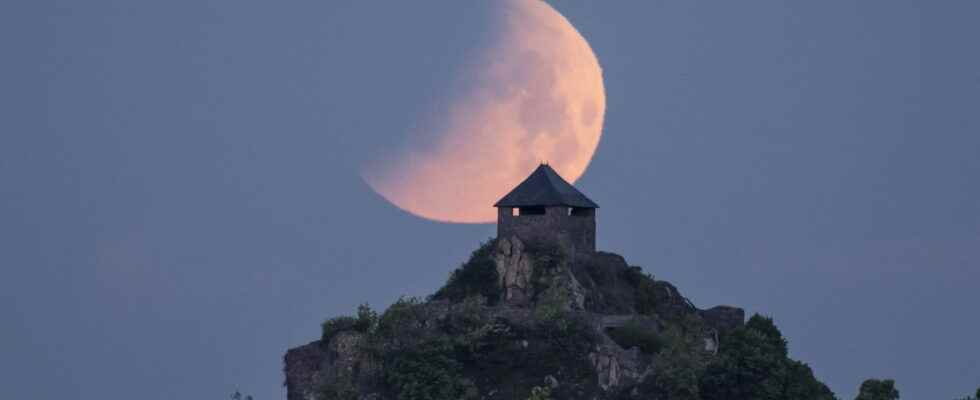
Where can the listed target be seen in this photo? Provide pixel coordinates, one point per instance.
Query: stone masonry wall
(554, 226)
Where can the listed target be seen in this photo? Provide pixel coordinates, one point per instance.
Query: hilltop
(520, 321)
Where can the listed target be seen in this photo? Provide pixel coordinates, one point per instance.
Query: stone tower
(547, 209)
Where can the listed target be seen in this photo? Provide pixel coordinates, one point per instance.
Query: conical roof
(545, 188)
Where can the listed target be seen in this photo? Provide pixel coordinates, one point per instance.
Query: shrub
(546, 258)
(565, 330)
(800, 383)
(427, 371)
(336, 325)
(365, 322)
(340, 389)
(874, 389)
(469, 326)
(367, 319)
(478, 276)
(634, 335)
(643, 285)
(752, 364)
(677, 372)
(401, 326)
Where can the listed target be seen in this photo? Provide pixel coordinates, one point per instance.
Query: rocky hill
(535, 322)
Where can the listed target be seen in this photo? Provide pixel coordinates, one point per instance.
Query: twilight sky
(181, 199)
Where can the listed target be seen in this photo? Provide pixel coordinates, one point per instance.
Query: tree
(801, 384)
(677, 371)
(753, 364)
(875, 389)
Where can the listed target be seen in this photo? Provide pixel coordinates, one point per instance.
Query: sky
(181, 198)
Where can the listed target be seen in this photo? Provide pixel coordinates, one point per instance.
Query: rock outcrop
(584, 326)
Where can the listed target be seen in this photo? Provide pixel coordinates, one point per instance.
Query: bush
(365, 322)
(478, 276)
(643, 285)
(677, 370)
(340, 389)
(753, 364)
(427, 371)
(546, 258)
(874, 389)
(563, 329)
(336, 325)
(367, 319)
(634, 335)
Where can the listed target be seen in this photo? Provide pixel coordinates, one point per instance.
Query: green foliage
(336, 325)
(367, 319)
(477, 277)
(563, 329)
(540, 393)
(634, 335)
(365, 322)
(643, 285)
(550, 310)
(875, 389)
(471, 329)
(771, 335)
(416, 362)
(753, 364)
(750, 365)
(401, 325)
(678, 369)
(428, 371)
(340, 389)
(546, 259)
(800, 383)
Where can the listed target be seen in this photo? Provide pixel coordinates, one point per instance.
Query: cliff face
(512, 323)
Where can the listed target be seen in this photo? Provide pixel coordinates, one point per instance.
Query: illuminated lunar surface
(536, 96)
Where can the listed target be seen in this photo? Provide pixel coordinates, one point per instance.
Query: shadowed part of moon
(537, 96)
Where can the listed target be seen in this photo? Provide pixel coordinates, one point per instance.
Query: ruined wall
(554, 226)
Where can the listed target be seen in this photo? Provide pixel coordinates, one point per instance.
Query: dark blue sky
(180, 199)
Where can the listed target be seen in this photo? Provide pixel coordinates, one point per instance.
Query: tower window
(531, 211)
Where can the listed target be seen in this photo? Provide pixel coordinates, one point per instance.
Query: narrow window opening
(531, 211)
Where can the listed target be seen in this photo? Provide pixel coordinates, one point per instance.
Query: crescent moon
(536, 96)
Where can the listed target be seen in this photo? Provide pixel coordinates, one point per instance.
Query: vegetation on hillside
(460, 345)
(753, 364)
(875, 389)
(476, 277)
(419, 360)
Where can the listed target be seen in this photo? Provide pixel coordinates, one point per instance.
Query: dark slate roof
(545, 188)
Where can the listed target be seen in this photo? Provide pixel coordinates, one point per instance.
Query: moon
(536, 95)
